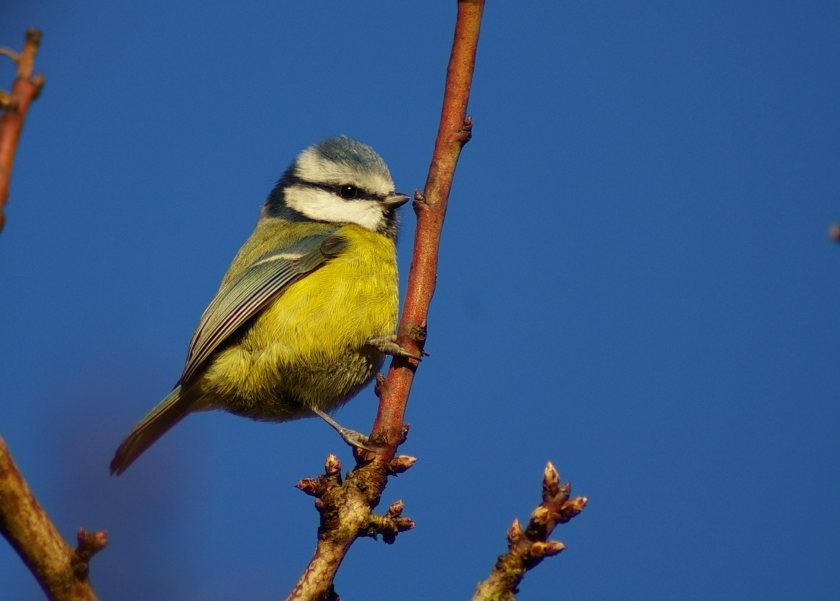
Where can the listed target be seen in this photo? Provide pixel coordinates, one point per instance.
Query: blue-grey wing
(248, 294)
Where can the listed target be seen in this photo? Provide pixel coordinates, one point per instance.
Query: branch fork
(346, 507)
(336, 498)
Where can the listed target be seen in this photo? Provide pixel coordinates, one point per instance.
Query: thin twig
(15, 105)
(528, 547)
(60, 570)
(346, 507)
(430, 207)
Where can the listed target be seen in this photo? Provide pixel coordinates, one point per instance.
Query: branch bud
(553, 547)
(571, 508)
(401, 463)
(542, 549)
(551, 482)
(89, 544)
(404, 524)
(332, 466)
(404, 433)
(515, 533)
(308, 486)
(395, 509)
(540, 517)
(564, 491)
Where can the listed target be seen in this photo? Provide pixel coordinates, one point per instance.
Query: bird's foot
(389, 346)
(357, 440)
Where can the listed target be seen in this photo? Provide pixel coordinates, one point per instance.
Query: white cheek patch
(322, 205)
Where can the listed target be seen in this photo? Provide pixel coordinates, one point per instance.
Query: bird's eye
(348, 192)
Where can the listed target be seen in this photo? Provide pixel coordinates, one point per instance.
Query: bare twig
(528, 547)
(346, 507)
(60, 570)
(454, 131)
(15, 105)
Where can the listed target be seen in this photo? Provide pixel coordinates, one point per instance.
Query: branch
(60, 570)
(454, 131)
(527, 548)
(15, 105)
(346, 507)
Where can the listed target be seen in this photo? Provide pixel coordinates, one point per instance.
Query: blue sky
(635, 283)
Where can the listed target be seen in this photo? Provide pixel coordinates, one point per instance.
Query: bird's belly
(309, 347)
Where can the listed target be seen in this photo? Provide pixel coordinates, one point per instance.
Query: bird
(307, 310)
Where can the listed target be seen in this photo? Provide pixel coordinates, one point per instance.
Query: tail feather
(158, 422)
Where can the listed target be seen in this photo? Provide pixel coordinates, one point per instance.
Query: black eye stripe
(340, 190)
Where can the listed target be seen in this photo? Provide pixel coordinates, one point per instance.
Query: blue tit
(308, 308)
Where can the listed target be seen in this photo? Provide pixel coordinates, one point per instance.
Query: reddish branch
(528, 547)
(60, 570)
(15, 104)
(346, 507)
(454, 131)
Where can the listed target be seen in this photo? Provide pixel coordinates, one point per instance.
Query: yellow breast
(308, 347)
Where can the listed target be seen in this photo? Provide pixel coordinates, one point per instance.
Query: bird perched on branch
(308, 308)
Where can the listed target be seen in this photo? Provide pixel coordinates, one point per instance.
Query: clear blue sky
(635, 283)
